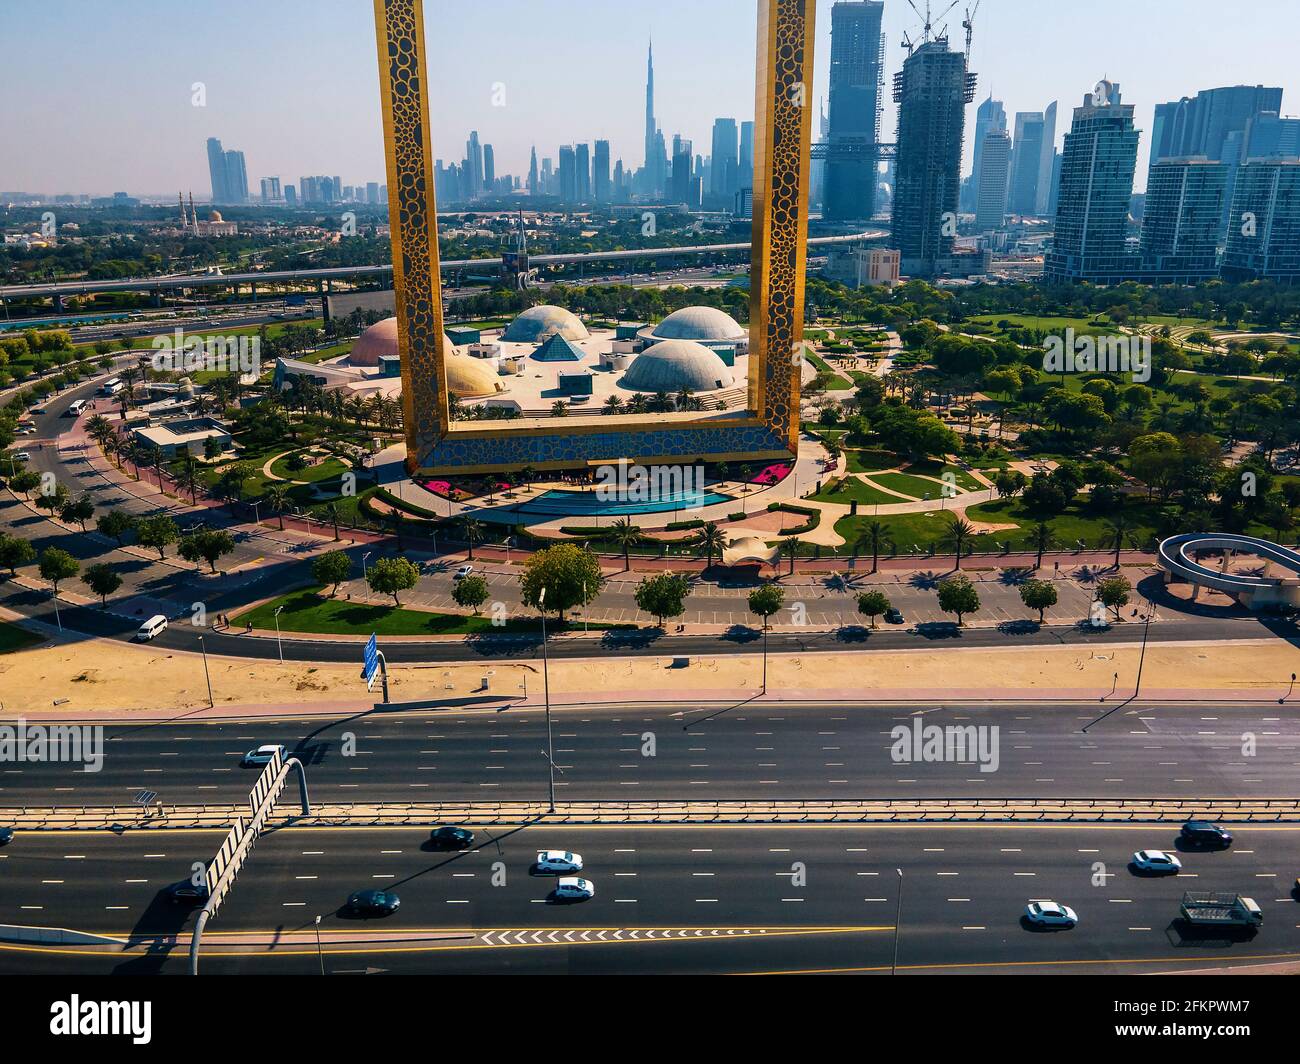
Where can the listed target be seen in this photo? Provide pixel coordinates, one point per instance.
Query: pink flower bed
(773, 474)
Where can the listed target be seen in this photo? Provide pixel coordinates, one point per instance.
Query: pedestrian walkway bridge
(1277, 584)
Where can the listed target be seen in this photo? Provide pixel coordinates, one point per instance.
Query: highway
(717, 899)
(785, 751)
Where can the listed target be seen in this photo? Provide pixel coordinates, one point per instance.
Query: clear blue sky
(96, 93)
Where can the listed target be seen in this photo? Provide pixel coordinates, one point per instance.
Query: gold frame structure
(768, 429)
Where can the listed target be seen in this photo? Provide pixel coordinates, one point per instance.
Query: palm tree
(626, 535)
(1119, 530)
(1043, 538)
(790, 548)
(471, 529)
(188, 480)
(331, 512)
(873, 537)
(711, 538)
(614, 405)
(277, 497)
(959, 531)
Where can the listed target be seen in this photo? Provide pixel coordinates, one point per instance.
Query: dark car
(894, 615)
(6, 836)
(186, 892)
(373, 903)
(450, 837)
(1203, 833)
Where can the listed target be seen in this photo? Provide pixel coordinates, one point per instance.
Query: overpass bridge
(1179, 557)
(324, 275)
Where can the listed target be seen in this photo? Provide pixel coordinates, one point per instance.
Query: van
(152, 627)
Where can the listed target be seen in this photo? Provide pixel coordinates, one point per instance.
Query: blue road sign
(370, 669)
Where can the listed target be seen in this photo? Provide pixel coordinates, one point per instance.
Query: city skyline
(290, 120)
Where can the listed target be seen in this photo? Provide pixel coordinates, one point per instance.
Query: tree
(663, 595)
(1155, 459)
(471, 591)
(790, 548)
(157, 533)
(873, 604)
(959, 530)
(1043, 538)
(765, 601)
(15, 552)
(569, 575)
(471, 530)
(873, 537)
(332, 567)
(958, 595)
(391, 576)
(1038, 595)
(25, 481)
(208, 544)
(1009, 483)
(277, 497)
(53, 501)
(56, 565)
(102, 581)
(625, 535)
(116, 523)
(711, 539)
(330, 513)
(1119, 530)
(1113, 593)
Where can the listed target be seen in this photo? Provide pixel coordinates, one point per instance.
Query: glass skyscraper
(856, 76)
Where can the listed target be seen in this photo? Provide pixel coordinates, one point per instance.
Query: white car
(1156, 861)
(27, 430)
(464, 571)
(575, 889)
(558, 861)
(22, 456)
(1051, 914)
(262, 755)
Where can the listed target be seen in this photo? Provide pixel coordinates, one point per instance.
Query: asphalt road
(750, 751)
(720, 899)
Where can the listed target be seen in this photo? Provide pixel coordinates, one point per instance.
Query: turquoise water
(588, 504)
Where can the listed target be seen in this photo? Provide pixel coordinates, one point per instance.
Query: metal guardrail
(936, 810)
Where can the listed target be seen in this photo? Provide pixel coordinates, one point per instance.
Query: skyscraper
(1264, 223)
(652, 149)
(1201, 125)
(681, 180)
(1181, 222)
(582, 164)
(856, 75)
(745, 174)
(1096, 186)
(995, 161)
(931, 91)
(1026, 162)
(217, 171)
(600, 172)
(726, 156)
(489, 167)
(990, 115)
(473, 182)
(533, 188)
(568, 174)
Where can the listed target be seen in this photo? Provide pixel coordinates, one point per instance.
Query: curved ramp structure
(1178, 556)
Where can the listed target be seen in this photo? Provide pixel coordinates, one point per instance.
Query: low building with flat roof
(190, 434)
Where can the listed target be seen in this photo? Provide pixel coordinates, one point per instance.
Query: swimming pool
(588, 504)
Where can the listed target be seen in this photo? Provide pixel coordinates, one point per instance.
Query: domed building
(379, 341)
(470, 378)
(671, 365)
(540, 323)
(706, 325)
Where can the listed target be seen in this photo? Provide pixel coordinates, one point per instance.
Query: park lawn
(1073, 525)
(903, 529)
(329, 469)
(836, 383)
(14, 638)
(916, 487)
(309, 610)
(1047, 323)
(851, 489)
(868, 460)
(930, 468)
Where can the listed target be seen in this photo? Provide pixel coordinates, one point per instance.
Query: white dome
(671, 365)
(699, 323)
(537, 323)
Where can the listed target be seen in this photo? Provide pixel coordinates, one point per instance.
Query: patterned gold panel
(782, 132)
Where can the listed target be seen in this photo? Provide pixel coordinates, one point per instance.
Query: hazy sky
(95, 95)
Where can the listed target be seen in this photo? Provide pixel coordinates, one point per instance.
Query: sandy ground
(84, 676)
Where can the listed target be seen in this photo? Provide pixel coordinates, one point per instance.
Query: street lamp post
(546, 684)
(1288, 691)
(206, 675)
(898, 920)
(278, 645)
(765, 628)
(363, 563)
(319, 955)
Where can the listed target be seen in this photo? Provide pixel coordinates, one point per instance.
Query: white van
(152, 627)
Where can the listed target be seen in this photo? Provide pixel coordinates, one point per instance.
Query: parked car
(1204, 833)
(894, 615)
(154, 626)
(573, 888)
(1156, 861)
(6, 836)
(1051, 914)
(373, 903)
(261, 755)
(449, 837)
(464, 571)
(558, 861)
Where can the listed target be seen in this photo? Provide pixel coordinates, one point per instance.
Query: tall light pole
(206, 675)
(363, 563)
(898, 919)
(278, 645)
(320, 956)
(546, 684)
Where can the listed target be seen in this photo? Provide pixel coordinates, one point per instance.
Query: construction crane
(968, 24)
(927, 22)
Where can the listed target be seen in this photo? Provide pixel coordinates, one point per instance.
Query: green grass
(931, 468)
(916, 487)
(871, 461)
(309, 610)
(14, 638)
(855, 490)
(326, 470)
